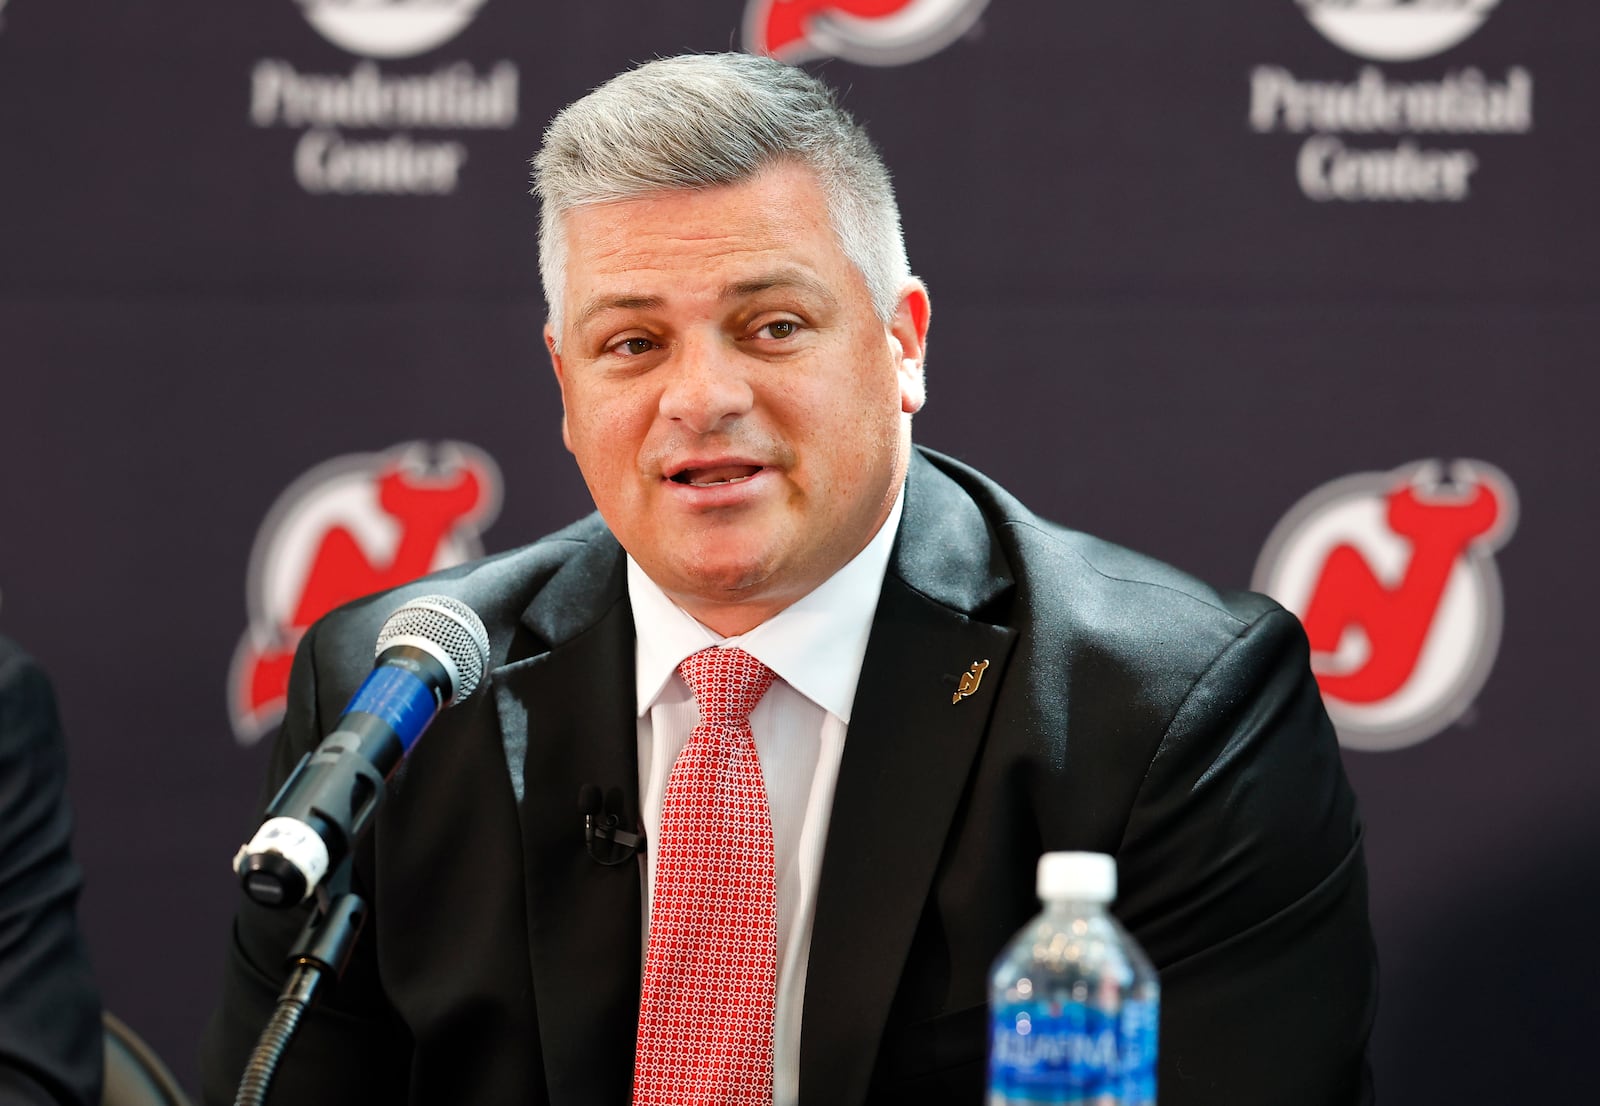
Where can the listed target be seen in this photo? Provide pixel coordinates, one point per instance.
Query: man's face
(738, 410)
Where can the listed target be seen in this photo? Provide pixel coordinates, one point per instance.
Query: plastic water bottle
(1074, 1004)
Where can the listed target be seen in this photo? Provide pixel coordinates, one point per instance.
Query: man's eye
(783, 328)
(633, 347)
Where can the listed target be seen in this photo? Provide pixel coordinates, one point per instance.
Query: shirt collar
(815, 645)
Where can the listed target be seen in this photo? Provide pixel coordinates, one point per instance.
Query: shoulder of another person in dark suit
(43, 964)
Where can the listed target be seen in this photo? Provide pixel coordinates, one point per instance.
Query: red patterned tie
(711, 972)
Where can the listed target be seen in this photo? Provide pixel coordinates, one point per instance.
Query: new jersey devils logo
(1396, 30)
(390, 28)
(870, 32)
(1394, 578)
(351, 526)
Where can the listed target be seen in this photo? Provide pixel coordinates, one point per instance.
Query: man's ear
(908, 331)
(561, 381)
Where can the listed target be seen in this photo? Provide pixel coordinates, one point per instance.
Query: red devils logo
(351, 526)
(1394, 578)
(870, 32)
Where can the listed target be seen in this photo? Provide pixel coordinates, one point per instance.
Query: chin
(732, 582)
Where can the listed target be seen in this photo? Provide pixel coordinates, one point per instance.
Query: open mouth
(715, 476)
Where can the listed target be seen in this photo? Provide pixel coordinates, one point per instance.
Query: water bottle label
(1040, 1053)
(1136, 1048)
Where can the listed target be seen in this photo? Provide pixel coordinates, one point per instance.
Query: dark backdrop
(1150, 322)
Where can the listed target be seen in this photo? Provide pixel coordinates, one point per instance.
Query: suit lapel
(572, 698)
(907, 758)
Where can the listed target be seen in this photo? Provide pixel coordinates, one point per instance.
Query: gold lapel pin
(970, 680)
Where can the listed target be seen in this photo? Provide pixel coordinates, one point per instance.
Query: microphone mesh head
(450, 625)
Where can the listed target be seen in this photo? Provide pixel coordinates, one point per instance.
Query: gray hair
(702, 120)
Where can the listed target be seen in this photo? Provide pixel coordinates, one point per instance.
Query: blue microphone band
(399, 699)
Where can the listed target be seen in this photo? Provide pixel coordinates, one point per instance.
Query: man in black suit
(51, 1047)
(960, 685)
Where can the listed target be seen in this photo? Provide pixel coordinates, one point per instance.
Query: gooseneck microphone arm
(323, 947)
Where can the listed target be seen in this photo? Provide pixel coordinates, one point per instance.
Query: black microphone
(620, 845)
(431, 654)
(589, 807)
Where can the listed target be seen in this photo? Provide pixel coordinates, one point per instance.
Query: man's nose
(706, 385)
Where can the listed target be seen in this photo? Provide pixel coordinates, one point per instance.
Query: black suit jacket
(1126, 709)
(51, 1047)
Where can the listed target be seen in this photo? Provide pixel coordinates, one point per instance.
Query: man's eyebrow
(616, 303)
(781, 278)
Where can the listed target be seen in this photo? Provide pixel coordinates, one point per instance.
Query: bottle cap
(1087, 876)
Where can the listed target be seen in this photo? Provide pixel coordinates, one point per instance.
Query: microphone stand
(323, 947)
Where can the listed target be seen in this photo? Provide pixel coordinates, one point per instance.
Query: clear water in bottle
(1074, 1004)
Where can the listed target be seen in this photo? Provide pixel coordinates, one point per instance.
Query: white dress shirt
(816, 647)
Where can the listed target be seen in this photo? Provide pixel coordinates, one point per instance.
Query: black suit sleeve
(51, 1046)
(1245, 883)
(350, 1046)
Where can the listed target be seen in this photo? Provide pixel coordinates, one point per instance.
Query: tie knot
(727, 684)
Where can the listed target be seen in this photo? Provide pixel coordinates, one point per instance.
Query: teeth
(710, 476)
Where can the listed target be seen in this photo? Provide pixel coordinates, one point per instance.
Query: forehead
(779, 214)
